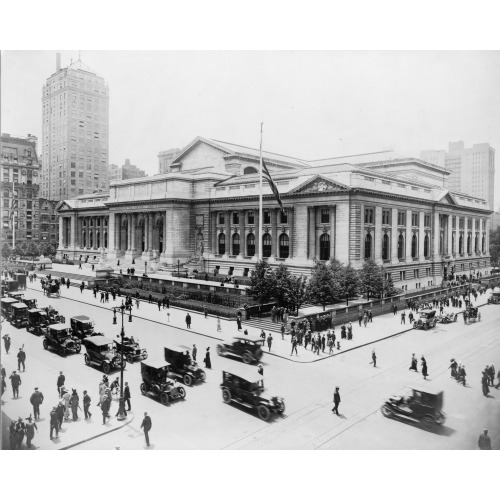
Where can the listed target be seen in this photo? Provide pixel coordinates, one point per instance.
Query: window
(476, 244)
(386, 217)
(324, 247)
(266, 245)
(385, 247)
(221, 219)
(251, 218)
(325, 216)
(266, 217)
(236, 244)
(368, 246)
(461, 245)
(249, 170)
(414, 219)
(469, 242)
(284, 243)
(284, 217)
(222, 243)
(426, 246)
(414, 247)
(236, 218)
(427, 220)
(402, 275)
(251, 245)
(453, 222)
(368, 215)
(483, 244)
(401, 247)
(461, 223)
(453, 242)
(441, 243)
(415, 273)
(401, 218)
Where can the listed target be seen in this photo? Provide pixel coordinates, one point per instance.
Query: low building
(126, 171)
(48, 222)
(205, 213)
(165, 159)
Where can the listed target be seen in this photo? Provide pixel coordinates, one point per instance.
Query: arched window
(251, 245)
(414, 246)
(324, 247)
(385, 247)
(426, 246)
(222, 243)
(236, 244)
(368, 246)
(97, 239)
(84, 239)
(461, 245)
(469, 244)
(284, 246)
(106, 239)
(250, 170)
(266, 245)
(483, 244)
(476, 244)
(401, 247)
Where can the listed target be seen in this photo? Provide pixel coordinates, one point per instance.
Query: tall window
(461, 245)
(251, 245)
(324, 247)
(476, 244)
(221, 218)
(385, 247)
(453, 242)
(222, 243)
(284, 246)
(368, 215)
(386, 217)
(251, 218)
(427, 220)
(105, 239)
(414, 246)
(284, 217)
(483, 244)
(368, 246)
(401, 218)
(98, 239)
(236, 218)
(441, 243)
(266, 245)
(401, 247)
(84, 239)
(266, 217)
(415, 219)
(236, 244)
(426, 246)
(469, 250)
(91, 239)
(325, 216)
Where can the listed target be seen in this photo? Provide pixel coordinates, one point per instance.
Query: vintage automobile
(30, 302)
(54, 316)
(449, 317)
(11, 285)
(82, 326)
(130, 348)
(100, 351)
(6, 306)
(155, 380)
(421, 404)
(472, 314)
(426, 320)
(494, 298)
(16, 295)
(52, 287)
(38, 321)
(19, 316)
(246, 387)
(59, 338)
(21, 280)
(182, 367)
(247, 347)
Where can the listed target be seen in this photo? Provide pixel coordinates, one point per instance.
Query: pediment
(63, 206)
(447, 199)
(319, 184)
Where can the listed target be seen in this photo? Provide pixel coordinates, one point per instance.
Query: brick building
(205, 210)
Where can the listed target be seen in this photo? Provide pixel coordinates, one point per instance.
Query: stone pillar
(311, 234)
(408, 236)
(73, 232)
(274, 232)
(164, 233)
(449, 231)
(487, 233)
(243, 242)
(421, 236)
(377, 236)
(112, 233)
(291, 239)
(342, 231)
(435, 236)
(129, 232)
(394, 236)
(227, 232)
(133, 233)
(61, 232)
(150, 231)
(94, 241)
(213, 233)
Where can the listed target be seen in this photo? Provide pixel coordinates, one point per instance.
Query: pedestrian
(82, 286)
(168, 303)
(365, 319)
(413, 365)
(270, 341)
(66, 396)
(7, 342)
(370, 316)
(403, 318)
(30, 431)
(126, 396)
(484, 383)
(194, 352)
(146, 425)
(424, 367)
(20, 433)
(102, 297)
(74, 403)
(219, 329)
(484, 442)
(395, 309)
(105, 407)
(238, 323)
(360, 318)
(106, 296)
(15, 380)
(3, 382)
(188, 320)
(294, 346)
(491, 374)
(86, 405)
(208, 362)
(150, 298)
(343, 332)
(374, 359)
(67, 284)
(54, 422)
(36, 400)
(60, 410)
(80, 264)
(21, 358)
(159, 304)
(260, 370)
(205, 311)
(498, 378)
(410, 317)
(336, 401)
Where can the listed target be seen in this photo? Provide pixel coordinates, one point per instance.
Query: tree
(495, 246)
(262, 282)
(33, 249)
(389, 287)
(372, 278)
(283, 284)
(6, 250)
(299, 292)
(23, 248)
(46, 249)
(322, 287)
(351, 283)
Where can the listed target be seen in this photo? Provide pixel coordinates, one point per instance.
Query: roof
(58, 327)
(156, 363)
(98, 341)
(425, 388)
(41, 311)
(20, 305)
(251, 338)
(9, 300)
(178, 348)
(245, 372)
(81, 318)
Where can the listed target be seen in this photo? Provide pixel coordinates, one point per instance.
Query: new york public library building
(205, 211)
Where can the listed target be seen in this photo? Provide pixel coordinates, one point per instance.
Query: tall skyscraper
(75, 141)
(472, 170)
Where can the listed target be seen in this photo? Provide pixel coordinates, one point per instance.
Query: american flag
(267, 175)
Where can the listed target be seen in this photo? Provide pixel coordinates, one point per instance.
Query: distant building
(48, 221)
(165, 159)
(75, 137)
(495, 220)
(127, 171)
(472, 170)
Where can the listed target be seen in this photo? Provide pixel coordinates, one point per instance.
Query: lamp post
(121, 309)
(178, 265)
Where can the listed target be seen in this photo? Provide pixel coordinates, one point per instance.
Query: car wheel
(143, 389)
(145, 355)
(426, 326)
(106, 368)
(130, 358)
(187, 379)
(226, 395)
(439, 418)
(182, 392)
(220, 350)
(45, 344)
(264, 413)
(247, 358)
(203, 376)
(86, 359)
(428, 423)
(387, 411)
(78, 348)
(62, 350)
(164, 398)
(415, 325)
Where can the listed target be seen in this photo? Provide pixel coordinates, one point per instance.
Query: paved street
(203, 421)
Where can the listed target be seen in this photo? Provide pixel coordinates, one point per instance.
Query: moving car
(494, 298)
(182, 367)
(30, 302)
(6, 306)
(38, 321)
(247, 347)
(16, 295)
(421, 404)
(82, 326)
(59, 338)
(130, 349)
(426, 320)
(52, 287)
(472, 314)
(246, 387)
(155, 380)
(54, 316)
(19, 315)
(100, 351)
(446, 317)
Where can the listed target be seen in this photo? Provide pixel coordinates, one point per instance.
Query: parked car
(246, 387)
(52, 287)
(30, 302)
(182, 367)
(100, 351)
(19, 316)
(155, 380)
(6, 306)
(472, 314)
(494, 298)
(82, 326)
(426, 320)
(16, 295)
(421, 404)
(446, 317)
(130, 349)
(53, 316)
(247, 347)
(59, 338)
(38, 321)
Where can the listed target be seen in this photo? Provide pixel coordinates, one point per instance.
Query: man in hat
(15, 380)
(336, 401)
(54, 422)
(30, 431)
(86, 405)
(374, 358)
(484, 442)
(260, 369)
(413, 365)
(60, 382)
(7, 342)
(146, 425)
(21, 358)
(36, 400)
(126, 396)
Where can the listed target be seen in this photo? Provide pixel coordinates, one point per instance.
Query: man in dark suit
(60, 382)
(146, 425)
(54, 422)
(36, 400)
(336, 401)
(126, 395)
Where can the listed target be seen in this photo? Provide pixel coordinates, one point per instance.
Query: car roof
(81, 318)
(251, 338)
(9, 300)
(98, 340)
(246, 372)
(178, 348)
(20, 305)
(425, 388)
(59, 326)
(155, 363)
(36, 310)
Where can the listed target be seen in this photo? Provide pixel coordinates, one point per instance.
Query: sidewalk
(383, 326)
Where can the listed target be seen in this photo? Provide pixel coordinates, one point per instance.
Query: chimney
(58, 61)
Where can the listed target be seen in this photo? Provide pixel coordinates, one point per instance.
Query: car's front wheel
(62, 350)
(182, 392)
(428, 423)
(426, 326)
(106, 368)
(164, 398)
(264, 412)
(78, 348)
(187, 379)
(247, 358)
(415, 325)
(86, 359)
(143, 389)
(130, 358)
(226, 395)
(387, 411)
(45, 344)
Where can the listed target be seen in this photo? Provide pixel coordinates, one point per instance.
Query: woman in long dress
(219, 329)
(208, 363)
(424, 368)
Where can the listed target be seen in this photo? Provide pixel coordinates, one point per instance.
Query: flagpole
(260, 197)
(13, 218)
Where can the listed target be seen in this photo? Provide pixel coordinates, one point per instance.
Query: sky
(314, 104)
